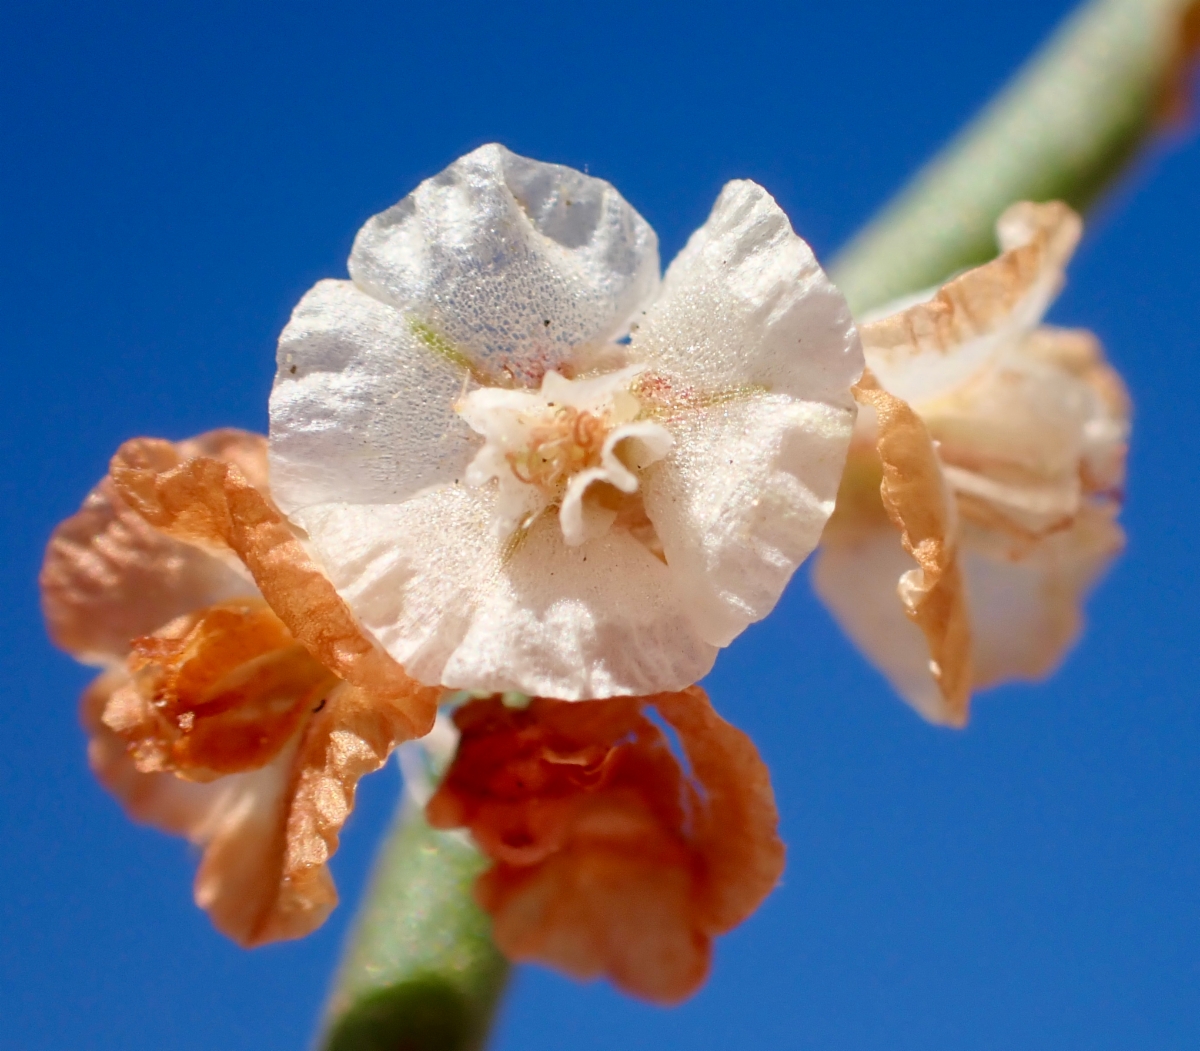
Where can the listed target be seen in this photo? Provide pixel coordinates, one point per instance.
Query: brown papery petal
(916, 498)
(267, 834)
(109, 576)
(210, 502)
(610, 859)
(1037, 239)
(737, 825)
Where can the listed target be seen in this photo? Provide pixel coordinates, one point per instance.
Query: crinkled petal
(741, 500)
(936, 344)
(208, 501)
(751, 351)
(1031, 437)
(516, 265)
(851, 575)
(363, 405)
(109, 576)
(458, 606)
(1026, 603)
(746, 307)
(616, 902)
(268, 834)
(736, 831)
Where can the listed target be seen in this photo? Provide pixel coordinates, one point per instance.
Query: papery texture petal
(736, 826)
(740, 501)
(751, 353)
(934, 345)
(363, 405)
(745, 306)
(516, 264)
(457, 605)
(1034, 435)
(267, 834)
(920, 506)
(609, 860)
(109, 576)
(1026, 603)
(208, 501)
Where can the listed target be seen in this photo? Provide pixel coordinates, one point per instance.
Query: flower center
(573, 445)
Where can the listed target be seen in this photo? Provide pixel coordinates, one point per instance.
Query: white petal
(740, 502)
(362, 410)
(857, 580)
(1026, 609)
(751, 334)
(745, 305)
(923, 348)
(460, 607)
(520, 265)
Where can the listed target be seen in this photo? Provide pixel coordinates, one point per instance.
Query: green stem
(420, 972)
(1065, 127)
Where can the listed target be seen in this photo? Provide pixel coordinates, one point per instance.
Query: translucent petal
(515, 264)
(458, 606)
(754, 352)
(745, 306)
(363, 406)
(1026, 606)
(921, 350)
(741, 500)
(109, 576)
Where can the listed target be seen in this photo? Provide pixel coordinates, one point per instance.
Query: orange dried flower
(240, 701)
(609, 859)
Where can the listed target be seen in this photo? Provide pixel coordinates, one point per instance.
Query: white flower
(527, 464)
(1000, 445)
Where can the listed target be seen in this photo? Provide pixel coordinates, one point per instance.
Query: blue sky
(176, 176)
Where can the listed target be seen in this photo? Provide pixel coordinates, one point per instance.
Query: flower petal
(204, 500)
(753, 352)
(919, 504)
(745, 307)
(736, 830)
(938, 343)
(1026, 603)
(109, 576)
(363, 407)
(458, 606)
(1035, 434)
(515, 264)
(268, 834)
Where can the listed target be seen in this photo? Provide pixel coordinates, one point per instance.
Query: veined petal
(362, 410)
(938, 343)
(517, 265)
(741, 500)
(208, 501)
(745, 307)
(751, 352)
(267, 834)
(1026, 603)
(109, 576)
(920, 506)
(459, 606)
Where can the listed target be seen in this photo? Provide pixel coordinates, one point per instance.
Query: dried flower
(991, 452)
(240, 702)
(527, 464)
(607, 858)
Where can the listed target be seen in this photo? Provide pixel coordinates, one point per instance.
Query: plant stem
(420, 972)
(1065, 127)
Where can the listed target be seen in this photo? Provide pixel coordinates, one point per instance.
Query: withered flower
(240, 702)
(979, 501)
(607, 858)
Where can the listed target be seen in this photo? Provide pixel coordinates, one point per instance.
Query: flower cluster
(510, 461)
